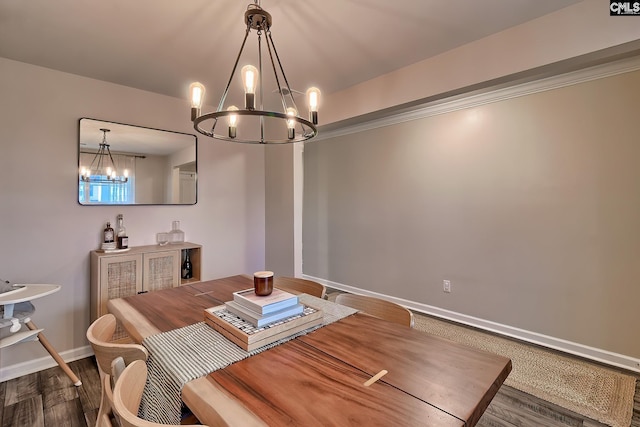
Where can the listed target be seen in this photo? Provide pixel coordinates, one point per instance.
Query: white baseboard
(36, 365)
(587, 352)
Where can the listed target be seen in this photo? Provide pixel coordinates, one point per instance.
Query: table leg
(52, 351)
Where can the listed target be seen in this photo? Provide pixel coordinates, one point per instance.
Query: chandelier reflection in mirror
(254, 123)
(103, 169)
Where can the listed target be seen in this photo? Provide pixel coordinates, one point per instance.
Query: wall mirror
(121, 164)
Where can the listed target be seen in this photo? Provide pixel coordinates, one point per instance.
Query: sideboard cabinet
(139, 269)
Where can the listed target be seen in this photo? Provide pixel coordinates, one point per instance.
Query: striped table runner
(179, 356)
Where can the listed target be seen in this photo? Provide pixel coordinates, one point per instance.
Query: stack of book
(252, 321)
(262, 310)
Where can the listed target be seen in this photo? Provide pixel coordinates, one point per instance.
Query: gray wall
(279, 209)
(530, 206)
(152, 179)
(47, 235)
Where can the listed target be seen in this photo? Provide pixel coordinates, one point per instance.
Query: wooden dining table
(357, 371)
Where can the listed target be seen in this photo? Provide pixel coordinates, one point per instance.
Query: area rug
(596, 392)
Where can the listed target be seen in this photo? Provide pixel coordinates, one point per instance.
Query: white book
(277, 300)
(262, 320)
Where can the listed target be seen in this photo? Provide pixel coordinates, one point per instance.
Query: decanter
(176, 235)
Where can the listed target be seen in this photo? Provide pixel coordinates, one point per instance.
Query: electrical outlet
(446, 286)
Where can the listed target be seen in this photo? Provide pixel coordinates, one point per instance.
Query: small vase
(176, 235)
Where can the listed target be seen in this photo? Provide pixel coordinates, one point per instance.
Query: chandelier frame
(103, 150)
(259, 20)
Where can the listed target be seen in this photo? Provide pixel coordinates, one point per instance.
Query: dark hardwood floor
(512, 407)
(49, 399)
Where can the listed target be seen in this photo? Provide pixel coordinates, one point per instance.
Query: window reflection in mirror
(121, 164)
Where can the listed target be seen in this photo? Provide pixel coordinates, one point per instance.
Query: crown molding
(443, 106)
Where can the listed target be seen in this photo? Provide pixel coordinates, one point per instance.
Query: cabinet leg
(52, 351)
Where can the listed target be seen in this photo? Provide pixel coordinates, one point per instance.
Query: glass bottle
(187, 268)
(108, 233)
(176, 235)
(123, 239)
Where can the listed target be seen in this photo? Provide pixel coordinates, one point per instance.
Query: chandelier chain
(275, 73)
(284, 77)
(261, 85)
(233, 71)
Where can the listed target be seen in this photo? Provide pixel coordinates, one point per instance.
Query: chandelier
(103, 169)
(255, 123)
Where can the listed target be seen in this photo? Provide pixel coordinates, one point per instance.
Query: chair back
(377, 307)
(110, 356)
(99, 335)
(300, 286)
(128, 393)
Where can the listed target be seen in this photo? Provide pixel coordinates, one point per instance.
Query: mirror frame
(133, 153)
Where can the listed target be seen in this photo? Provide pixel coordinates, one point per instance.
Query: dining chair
(297, 286)
(377, 307)
(127, 395)
(108, 357)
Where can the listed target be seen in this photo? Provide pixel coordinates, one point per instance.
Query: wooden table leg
(52, 351)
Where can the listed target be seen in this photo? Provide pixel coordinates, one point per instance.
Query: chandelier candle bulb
(197, 96)
(233, 121)
(291, 123)
(313, 99)
(250, 81)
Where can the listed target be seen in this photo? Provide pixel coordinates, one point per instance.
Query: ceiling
(123, 138)
(163, 45)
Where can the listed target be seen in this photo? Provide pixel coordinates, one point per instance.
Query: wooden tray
(249, 337)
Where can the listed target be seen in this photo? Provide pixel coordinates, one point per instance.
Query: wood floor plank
(527, 405)
(90, 417)
(490, 420)
(54, 379)
(90, 390)
(22, 388)
(522, 415)
(3, 386)
(54, 397)
(65, 414)
(25, 413)
(57, 388)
